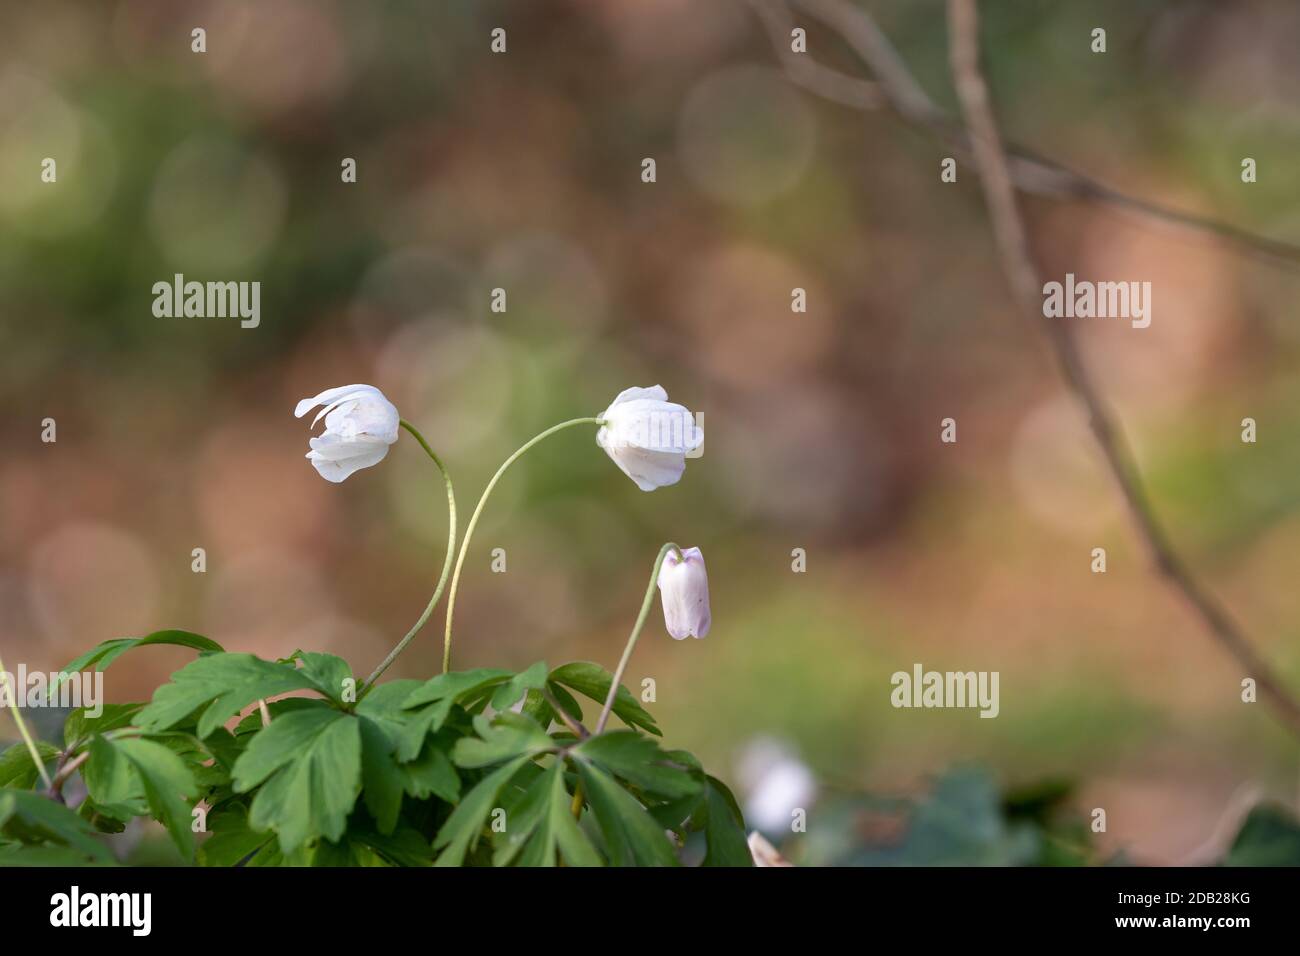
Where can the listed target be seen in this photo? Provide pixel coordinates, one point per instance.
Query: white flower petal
(337, 469)
(649, 469)
(648, 437)
(684, 591)
(329, 396)
(655, 393)
(360, 424)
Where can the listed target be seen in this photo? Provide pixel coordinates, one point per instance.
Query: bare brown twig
(1018, 263)
(896, 89)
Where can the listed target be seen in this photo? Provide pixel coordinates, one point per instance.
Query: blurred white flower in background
(360, 424)
(764, 853)
(776, 783)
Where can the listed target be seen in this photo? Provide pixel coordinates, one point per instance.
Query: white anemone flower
(778, 783)
(684, 588)
(360, 424)
(648, 436)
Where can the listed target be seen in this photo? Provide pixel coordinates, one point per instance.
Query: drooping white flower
(684, 589)
(777, 784)
(648, 436)
(360, 424)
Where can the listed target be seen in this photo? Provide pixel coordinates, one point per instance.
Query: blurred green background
(522, 171)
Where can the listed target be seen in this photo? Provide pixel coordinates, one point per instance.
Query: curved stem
(442, 578)
(22, 727)
(473, 521)
(636, 632)
(68, 769)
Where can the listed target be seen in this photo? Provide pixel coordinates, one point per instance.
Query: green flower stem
(22, 728)
(636, 632)
(473, 521)
(442, 578)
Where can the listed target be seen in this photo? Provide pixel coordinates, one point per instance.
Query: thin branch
(66, 771)
(1023, 275)
(579, 731)
(827, 83)
(895, 88)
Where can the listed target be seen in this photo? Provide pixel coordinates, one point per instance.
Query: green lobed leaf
(17, 769)
(509, 735)
(112, 782)
(509, 693)
(79, 725)
(592, 680)
(385, 780)
(541, 827)
(232, 840)
(405, 846)
(34, 818)
(638, 760)
(724, 829)
(226, 683)
(457, 685)
(408, 728)
(462, 829)
(308, 765)
(383, 783)
(331, 675)
(104, 654)
(432, 774)
(632, 836)
(169, 787)
(23, 854)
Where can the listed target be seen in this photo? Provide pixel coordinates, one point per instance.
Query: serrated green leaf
(534, 678)
(457, 685)
(112, 782)
(632, 836)
(403, 847)
(383, 782)
(47, 855)
(18, 770)
(327, 853)
(461, 831)
(79, 725)
(638, 759)
(541, 824)
(385, 704)
(420, 724)
(724, 830)
(432, 774)
(107, 652)
(226, 683)
(592, 680)
(331, 675)
(232, 840)
(34, 818)
(253, 721)
(168, 787)
(507, 736)
(308, 765)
